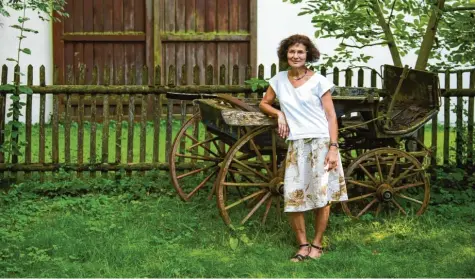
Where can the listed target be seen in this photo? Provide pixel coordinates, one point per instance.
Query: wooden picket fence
(144, 105)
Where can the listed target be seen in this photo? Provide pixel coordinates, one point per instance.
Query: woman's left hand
(331, 160)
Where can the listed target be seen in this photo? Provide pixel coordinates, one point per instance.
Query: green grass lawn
(139, 228)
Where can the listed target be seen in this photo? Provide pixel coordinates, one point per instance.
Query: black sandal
(301, 257)
(318, 248)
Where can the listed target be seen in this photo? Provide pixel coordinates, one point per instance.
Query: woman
(313, 172)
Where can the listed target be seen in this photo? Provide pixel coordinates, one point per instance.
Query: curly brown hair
(312, 52)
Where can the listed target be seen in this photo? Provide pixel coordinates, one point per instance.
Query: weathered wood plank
(157, 102)
(28, 120)
(143, 118)
(68, 117)
(168, 140)
(244, 118)
(3, 110)
(131, 118)
(459, 125)
(42, 139)
(446, 121)
(80, 139)
(470, 123)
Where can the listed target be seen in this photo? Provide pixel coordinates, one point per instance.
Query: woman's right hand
(282, 126)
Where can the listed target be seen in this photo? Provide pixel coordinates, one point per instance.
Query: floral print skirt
(307, 184)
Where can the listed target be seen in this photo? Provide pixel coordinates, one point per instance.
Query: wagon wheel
(201, 155)
(386, 180)
(252, 168)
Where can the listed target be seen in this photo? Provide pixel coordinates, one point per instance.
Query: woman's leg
(321, 220)
(297, 221)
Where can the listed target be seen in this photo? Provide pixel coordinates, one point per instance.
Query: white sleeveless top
(302, 106)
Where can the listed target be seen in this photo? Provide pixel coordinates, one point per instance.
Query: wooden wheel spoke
(407, 186)
(399, 206)
(378, 165)
(361, 197)
(274, 154)
(204, 158)
(408, 198)
(359, 183)
(194, 171)
(250, 169)
(245, 198)
(200, 144)
(402, 175)
(268, 205)
(259, 156)
(254, 209)
(391, 169)
(368, 173)
(366, 207)
(202, 184)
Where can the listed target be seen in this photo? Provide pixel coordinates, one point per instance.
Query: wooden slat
(348, 77)
(171, 81)
(15, 130)
(336, 76)
(158, 20)
(105, 121)
(118, 48)
(323, 71)
(143, 118)
(211, 7)
(374, 76)
(118, 128)
(149, 51)
(41, 153)
(470, 120)
(92, 132)
(55, 130)
(433, 160)
(131, 118)
(260, 75)
(200, 8)
(459, 125)
(446, 121)
(273, 70)
(80, 139)
(360, 77)
(253, 31)
(157, 105)
(3, 109)
(29, 104)
(233, 14)
(183, 81)
(68, 117)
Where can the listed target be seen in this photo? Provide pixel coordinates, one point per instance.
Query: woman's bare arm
(266, 107)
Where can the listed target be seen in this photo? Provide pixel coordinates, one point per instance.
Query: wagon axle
(385, 192)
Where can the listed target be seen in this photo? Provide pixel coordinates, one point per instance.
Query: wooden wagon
(235, 152)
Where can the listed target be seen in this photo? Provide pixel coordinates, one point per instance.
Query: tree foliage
(45, 8)
(441, 33)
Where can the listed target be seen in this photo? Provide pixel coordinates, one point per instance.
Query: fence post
(336, 76)
(446, 120)
(360, 77)
(470, 123)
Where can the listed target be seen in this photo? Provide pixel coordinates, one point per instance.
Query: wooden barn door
(206, 32)
(116, 33)
(125, 35)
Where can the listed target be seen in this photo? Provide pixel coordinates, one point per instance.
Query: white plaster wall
(42, 50)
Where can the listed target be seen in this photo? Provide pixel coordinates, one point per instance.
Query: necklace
(304, 74)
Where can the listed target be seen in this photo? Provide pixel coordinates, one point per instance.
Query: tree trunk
(429, 36)
(388, 34)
